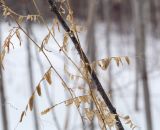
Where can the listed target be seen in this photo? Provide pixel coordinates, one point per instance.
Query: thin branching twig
(86, 62)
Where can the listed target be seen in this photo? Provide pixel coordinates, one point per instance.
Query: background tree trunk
(107, 17)
(42, 71)
(30, 69)
(2, 95)
(90, 39)
(141, 11)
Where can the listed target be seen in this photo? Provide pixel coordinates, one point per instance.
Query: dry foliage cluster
(105, 118)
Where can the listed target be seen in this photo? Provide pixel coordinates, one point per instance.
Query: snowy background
(16, 79)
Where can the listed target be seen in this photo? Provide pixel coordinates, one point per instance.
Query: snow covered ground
(16, 79)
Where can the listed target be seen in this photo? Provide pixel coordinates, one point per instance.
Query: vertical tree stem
(86, 61)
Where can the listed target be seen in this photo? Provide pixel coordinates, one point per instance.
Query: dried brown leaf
(22, 115)
(89, 113)
(39, 90)
(18, 36)
(69, 102)
(45, 111)
(104, 63)
(57, 23)
(65, 41)
(48, 77)
(31, 102)
(77, 102)
(84, 99)
(20, 19)
(127, 60)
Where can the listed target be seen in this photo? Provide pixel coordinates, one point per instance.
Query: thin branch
(63, 82)
(86, 61)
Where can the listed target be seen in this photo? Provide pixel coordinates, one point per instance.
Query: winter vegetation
(79, 65)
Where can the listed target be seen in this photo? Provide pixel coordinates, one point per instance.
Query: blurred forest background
(114, 28)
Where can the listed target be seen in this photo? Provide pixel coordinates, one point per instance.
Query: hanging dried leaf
(52, 28)
(129, 122)
(46, 39)
(48, 77)
(104, 63)
(127, 60)
(18, 36)
(126, 117)
(65, 42)
(45, 111)
(29, 17)
(31, 102)
(84, 99)
(89, 113)
(80, 28)
(20, 19)
(69, 102)
(100, 120)
(71, 76)
(93, 65)
(117, 59)
(110, 119)
(2, 55)
(57, 23)
(22, 115)
(77, 102)
(69, 17)
(62, 10)
(35, 18)
(39, 90)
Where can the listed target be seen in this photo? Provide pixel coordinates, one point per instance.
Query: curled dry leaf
(6, 11)
(56, 23)
(84, 99)
(110, 119)
(129, 122)
(31, 102)
(77, 102)
(65, 42)
(38, 89)
(45, 111)
(20, 19)
(80, 28)
(127, 60)
(62, 10)
(118, 60)
(69, 102)
(2, 55)
(22, 115)
(29, 17)
(18, 36)
(48, 77)
(89, 113)
(71, 76)
(104, 63)
(46, 39)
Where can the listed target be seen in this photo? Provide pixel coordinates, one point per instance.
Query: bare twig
(86, 61)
